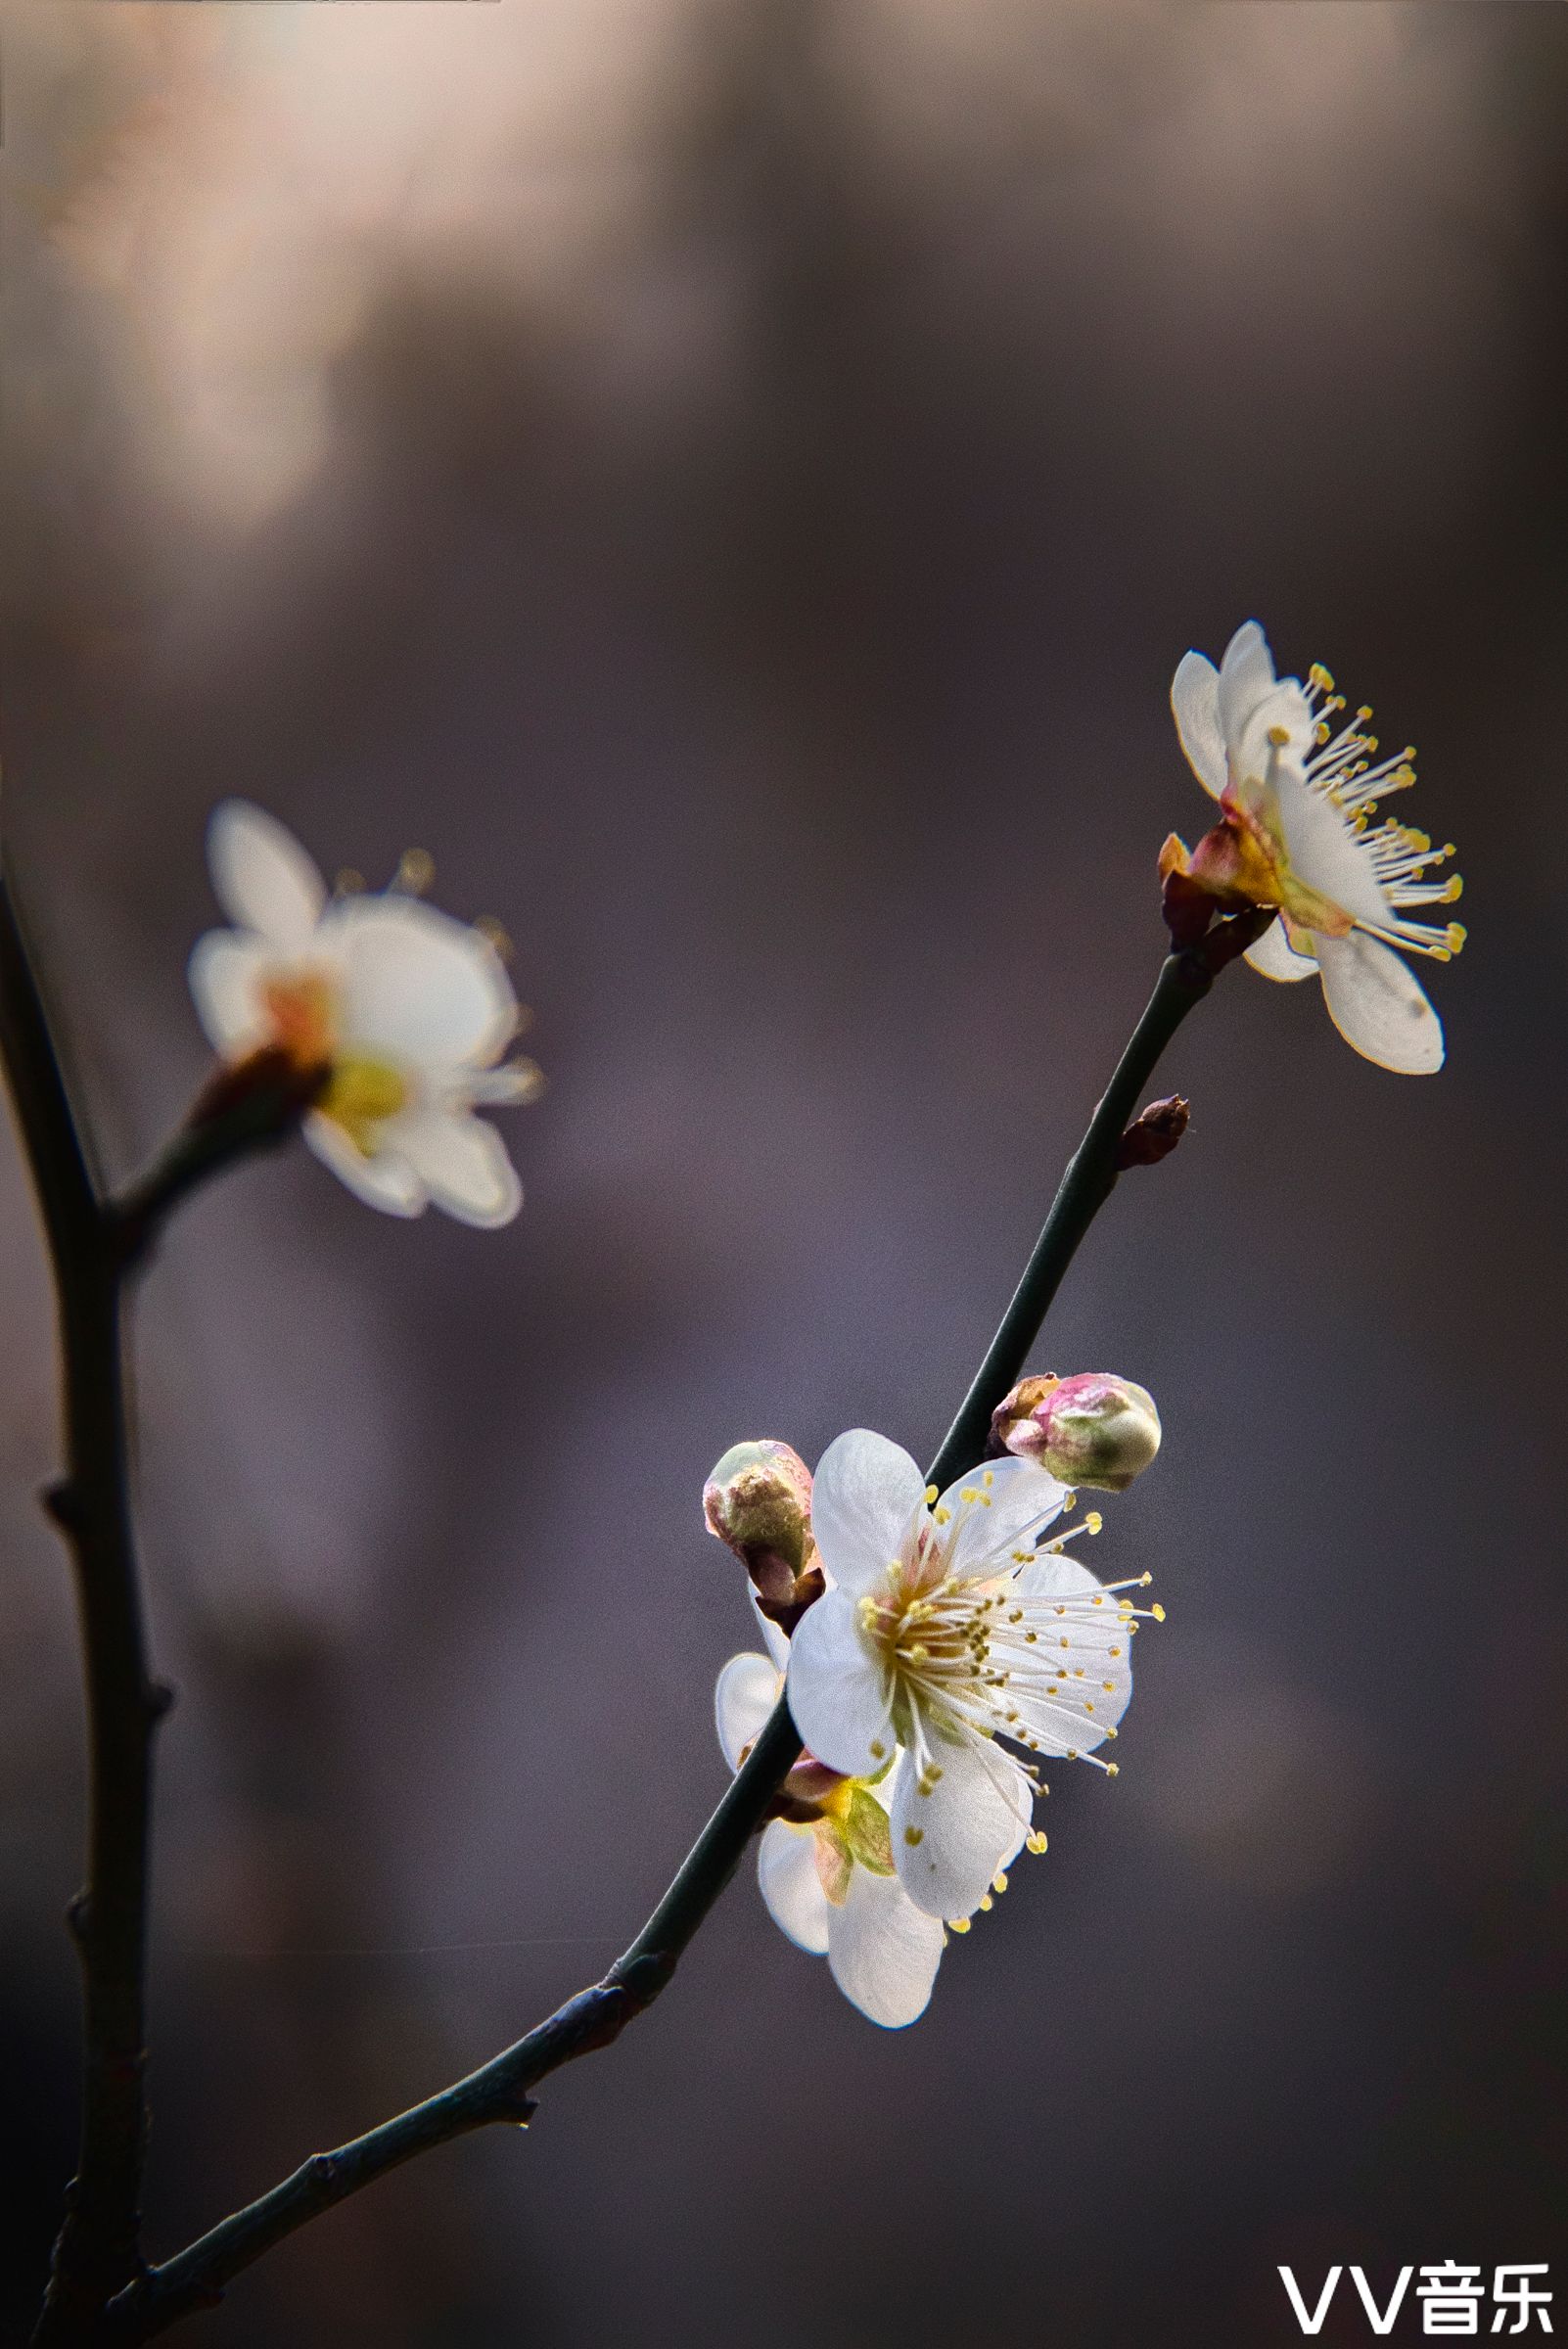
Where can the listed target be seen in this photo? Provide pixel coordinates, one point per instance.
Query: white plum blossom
(949, 1629)
(408, 1010)
(1297, 833)
(828, 1880)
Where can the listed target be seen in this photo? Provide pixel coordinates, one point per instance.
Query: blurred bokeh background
(733, 482)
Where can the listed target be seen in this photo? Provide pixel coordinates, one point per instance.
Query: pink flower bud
(1089, 1429)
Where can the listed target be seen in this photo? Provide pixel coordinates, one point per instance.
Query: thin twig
(500, 2091)
(96, 2253)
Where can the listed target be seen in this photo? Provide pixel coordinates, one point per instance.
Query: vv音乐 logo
(1453, 2298)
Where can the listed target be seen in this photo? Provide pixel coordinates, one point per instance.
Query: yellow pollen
(1158, 1612)
(986, 1905)
(1457, 935)
(957, 1924)
(1113, 1770)
(361, 1095)
(1095, 1521)
(1034, 1842)
(1279, 736)
(931, 1495)
(999, 1882)
(942, 1516)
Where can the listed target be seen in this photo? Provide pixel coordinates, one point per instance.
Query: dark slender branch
(1185, 978)
(96, 2253)
(499, 2092)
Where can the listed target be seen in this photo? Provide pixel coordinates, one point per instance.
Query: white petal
(773, 1640)
(463, 1164)
(1246, 680)
(968, 1826)
(419, 986)
(883, 1950)
(864, 1499)
(386, 1181)
(748, 1691)
(1277, 958)
(1325, 853)
(225, 974)
(838, 1689)
(1015, 1499)
(1378, 1004)
(264, 879)
(787, 1877)
(1099, 1648)
(1195, 707)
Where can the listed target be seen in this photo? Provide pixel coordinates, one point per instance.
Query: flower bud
(759, 1501)
(1089, 1429)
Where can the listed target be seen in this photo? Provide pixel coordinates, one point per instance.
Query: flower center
(361, 1096)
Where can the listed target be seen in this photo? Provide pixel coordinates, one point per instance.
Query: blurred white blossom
(408, 1010)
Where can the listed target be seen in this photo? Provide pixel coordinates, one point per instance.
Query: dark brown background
(734, 482)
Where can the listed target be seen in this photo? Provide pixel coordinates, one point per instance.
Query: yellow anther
(957, 1924)
(416, 870)
(986, 1905)
(879, 1750)
(496, 937)
(1109, 1688)
(942, 1516)
(914, 1835)
(999, 1882)
(1279, 736)
(1455, 935)
(1034, 1842)
(1453, 890)
(1113, 1770)
(348, 882)
(931, 1495)
(1095, 1521)
(1158, 1612)
(1318, 676)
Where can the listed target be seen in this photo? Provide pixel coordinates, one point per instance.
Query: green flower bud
(1090, 1429)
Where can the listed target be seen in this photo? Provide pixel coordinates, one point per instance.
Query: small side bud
(1090, 1429)
(1153, 1133)
(757, 1501)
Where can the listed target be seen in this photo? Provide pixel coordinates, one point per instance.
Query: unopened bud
(1089, 1429)
(759, 1501)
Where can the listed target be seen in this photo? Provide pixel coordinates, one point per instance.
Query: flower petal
(748, 1691)
(788, 1880)
(1277, 958)
(462, 1163)
(386, 1181)
(865, 1499)
(838, 1689)
(1012, 1500)
(948, 1844)
(1246, 680)
(263, 878)
(1325, 851)
(1378, 1005)
(419, 986)
(1195, 707)
(883, 1950)
(1092, 1643)
(225, 974)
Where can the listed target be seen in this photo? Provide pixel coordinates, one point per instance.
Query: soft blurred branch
(94, 1244)
(500, 2091)
(96, 2252)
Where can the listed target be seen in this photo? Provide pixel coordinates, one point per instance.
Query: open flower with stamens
(826, 1871)
(406, 1011)
(950, 1628)
(1296, 831)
